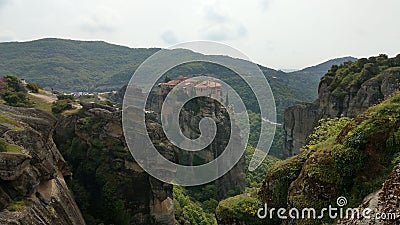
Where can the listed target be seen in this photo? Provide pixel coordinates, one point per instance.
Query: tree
(14, 84)
(17, 99)
(34, 87)
(60, 106)
(66, 97)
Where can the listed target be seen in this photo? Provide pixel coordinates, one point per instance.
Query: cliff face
(347, 157)
(346, 90)
(110, 187)
(384, 204)
(32, 170)
(190, 118)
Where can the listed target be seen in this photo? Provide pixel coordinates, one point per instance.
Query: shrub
(14, 84)
(60, 106)
(3, 145)
(240, 208)
(16, 205)
(34, 87)
(66, 97)
(17, 99)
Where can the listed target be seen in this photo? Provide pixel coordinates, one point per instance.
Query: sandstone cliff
(32, 186)
(346, 90)
(348, 157)
(110, 187)
(234, 180)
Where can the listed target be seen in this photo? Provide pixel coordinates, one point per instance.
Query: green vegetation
(60, 106)
(88, 98)
(255, 178)
(66, 97)
(9, 120)
(17, 205)
(351, 75)
(63, 103)
(283, 173)
(97, 185)
(327, 131)
(188, 211)
(254, 134)
(205, 197)
(67, 65)
(240, 208)
(33, 87)
(348, 157)
(3, 145)
(40, 103)
(243, 207)
(13, 92)
(9, 148)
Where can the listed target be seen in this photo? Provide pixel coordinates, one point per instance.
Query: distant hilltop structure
(191, 86)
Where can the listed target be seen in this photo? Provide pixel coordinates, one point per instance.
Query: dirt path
(47, 97)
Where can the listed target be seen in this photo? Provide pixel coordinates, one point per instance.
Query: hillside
(346, 157)
(350, 153)
(348, 89)
(308, 78)
(68, 65)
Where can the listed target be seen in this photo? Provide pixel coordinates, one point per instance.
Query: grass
(240, 207)
(9, 120)
(15, 149)
(40, 103)
(17, 205)
(70, 112)
(88, 99)
(9, 148)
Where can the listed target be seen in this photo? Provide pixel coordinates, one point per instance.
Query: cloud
(101, 20)
(169, 37)
(220, 26)
(266, 4)
(4, 3)
(212, 13)
(225, 31)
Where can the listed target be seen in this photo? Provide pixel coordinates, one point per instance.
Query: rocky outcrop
(32, 170)
(233, 182)
(383, 204)
(92, 142)
(300, 121)
(347, 90)
(350, 158)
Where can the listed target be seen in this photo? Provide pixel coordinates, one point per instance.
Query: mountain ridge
(72, 52)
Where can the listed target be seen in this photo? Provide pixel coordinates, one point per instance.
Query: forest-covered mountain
(68, 65)
(95, 66)
(346, 90)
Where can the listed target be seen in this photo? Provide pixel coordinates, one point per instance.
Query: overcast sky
(282, 34)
